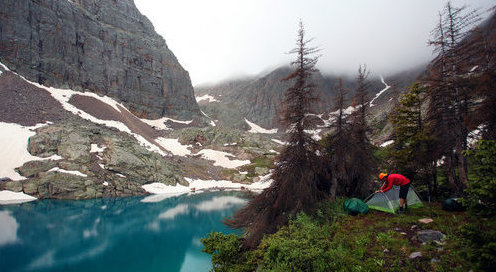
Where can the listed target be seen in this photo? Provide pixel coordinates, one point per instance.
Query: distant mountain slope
(103, 46)
(259, 99)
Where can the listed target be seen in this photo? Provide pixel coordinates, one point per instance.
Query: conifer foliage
(299, 179)
(412, 144)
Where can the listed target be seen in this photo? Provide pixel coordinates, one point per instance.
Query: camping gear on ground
(355, 206)
(390, 200)
(453, 205)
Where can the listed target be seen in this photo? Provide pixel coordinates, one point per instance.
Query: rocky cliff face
(105, 46)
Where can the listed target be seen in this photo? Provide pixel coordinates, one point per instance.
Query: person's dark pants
(404, 193)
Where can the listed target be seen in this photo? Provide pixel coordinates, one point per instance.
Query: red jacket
(394, 179)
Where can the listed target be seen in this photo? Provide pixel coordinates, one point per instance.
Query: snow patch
(160, 123)
(440, 162)
(207, 97)
(381, 92)
(279, 142)
(4, 67)
(9, 197)
(160, 188)
(13, 150)
(314, 133)
(162, 191)
(205, 114)
(222, 158)
(77, 173)
(254, 128)
(386, 143)
(475, 135)
(174, 146)
(96, 148)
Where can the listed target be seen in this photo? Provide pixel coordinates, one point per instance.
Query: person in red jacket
(396, 179)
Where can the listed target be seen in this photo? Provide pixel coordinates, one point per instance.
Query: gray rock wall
(105, 46)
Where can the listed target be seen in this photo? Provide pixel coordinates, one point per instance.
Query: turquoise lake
(121, 234)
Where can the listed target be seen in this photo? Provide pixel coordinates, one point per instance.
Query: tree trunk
(450, 172)
(334, 185)
(434, 179)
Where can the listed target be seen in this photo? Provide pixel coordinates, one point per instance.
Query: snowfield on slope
(206, 97)
(254, 128)
(380, 93)
(161, 191)
(13, 152)
(15, 138)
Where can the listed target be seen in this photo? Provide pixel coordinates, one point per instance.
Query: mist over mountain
(259, 98)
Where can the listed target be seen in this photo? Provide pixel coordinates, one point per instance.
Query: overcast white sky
(220, 39)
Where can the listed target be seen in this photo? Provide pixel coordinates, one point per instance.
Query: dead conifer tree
(449, 97)
(360, 171)
(299, 183)
(337, 143)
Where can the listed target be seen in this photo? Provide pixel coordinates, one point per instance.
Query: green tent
(390, 200)
(355, 206)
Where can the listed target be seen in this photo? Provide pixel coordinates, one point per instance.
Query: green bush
(481, 191)
(302, 246)
(226, 252)
(479, 245)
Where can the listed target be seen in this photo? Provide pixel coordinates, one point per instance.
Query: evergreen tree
(410, 153)
(299, 180)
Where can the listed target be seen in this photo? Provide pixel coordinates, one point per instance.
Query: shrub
(226, 252)
(479, 245)
(481, 191)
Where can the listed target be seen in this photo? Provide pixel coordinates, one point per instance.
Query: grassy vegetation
(263, 161)
(330, 240)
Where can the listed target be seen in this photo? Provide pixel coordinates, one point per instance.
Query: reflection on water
(124, 234)
(8, 228)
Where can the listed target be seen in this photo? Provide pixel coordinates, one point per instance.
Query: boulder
(415, 255)
(261, 171)
(75, 146)
(14, 186)
(425, 236)
(141, 165)
(32, 168)
(45, 142)
(239, 177)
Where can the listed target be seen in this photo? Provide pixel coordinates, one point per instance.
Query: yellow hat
(382, 175)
